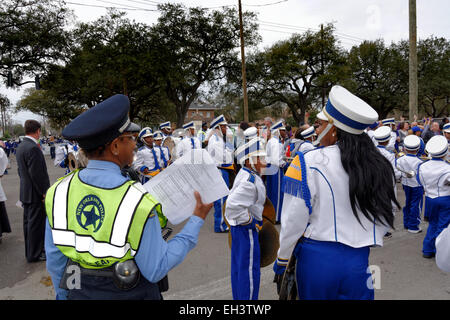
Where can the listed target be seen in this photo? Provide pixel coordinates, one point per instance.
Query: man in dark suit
(34, 182)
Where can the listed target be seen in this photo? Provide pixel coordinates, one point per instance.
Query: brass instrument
(77, 160)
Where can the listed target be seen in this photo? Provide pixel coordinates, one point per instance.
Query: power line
(115, 3)
(105, 7)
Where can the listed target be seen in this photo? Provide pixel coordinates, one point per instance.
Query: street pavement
(401, 272)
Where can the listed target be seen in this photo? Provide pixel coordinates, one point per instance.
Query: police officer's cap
(101, 124)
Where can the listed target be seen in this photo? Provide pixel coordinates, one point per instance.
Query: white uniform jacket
(306, 146)
(275, 152)
(221, 152)
(162, 150)
(443, 250)
(391, 145)
(433, 175)
(246, 199)
(187, 144)
(146, 159)
(316, 204)
(409, 162)
(391, 157)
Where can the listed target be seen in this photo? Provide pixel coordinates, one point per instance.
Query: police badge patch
(90, 213)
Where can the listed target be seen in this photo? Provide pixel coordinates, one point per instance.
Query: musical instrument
(409, 174)
(77, 160)
(288, 287)
(169, 143)
(268, 235)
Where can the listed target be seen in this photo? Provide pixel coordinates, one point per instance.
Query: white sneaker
(415, 231)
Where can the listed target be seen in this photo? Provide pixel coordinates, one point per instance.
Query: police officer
(106, 226)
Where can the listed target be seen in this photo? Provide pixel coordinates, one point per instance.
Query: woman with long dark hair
(338, 203)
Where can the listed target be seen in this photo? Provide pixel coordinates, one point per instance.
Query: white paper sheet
(174, 187)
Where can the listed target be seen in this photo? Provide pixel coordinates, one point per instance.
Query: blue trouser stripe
(274, 191)
(347, 278)
(439, 219)
(245, 262)
(412, 208)
(219, 222)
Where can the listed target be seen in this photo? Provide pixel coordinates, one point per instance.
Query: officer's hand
(201, 209)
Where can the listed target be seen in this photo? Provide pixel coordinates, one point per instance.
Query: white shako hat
(165, 125)
(437, 146)
(382, 134)
(411, 142)
(446, 127)
(250, 133)
(219, 120)
(279, 125)
(308, 132)
(146, 132)
(157, 135)
(347, 112)
(188, 125)
(254, 147)
(388, 121)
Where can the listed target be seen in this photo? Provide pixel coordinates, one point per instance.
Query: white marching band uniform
(434, 176)
(383, 134)
(189, 142)
(164, 153)
(391, 145)
(243, 211)
(274, 172)
(317, 210)
(222, 152)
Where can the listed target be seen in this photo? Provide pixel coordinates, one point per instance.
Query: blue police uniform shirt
(155, 257)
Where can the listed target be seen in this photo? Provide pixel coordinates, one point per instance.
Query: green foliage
(32, 36)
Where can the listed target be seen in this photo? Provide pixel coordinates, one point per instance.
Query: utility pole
(244, 78)
(321, 65)
(413, 84)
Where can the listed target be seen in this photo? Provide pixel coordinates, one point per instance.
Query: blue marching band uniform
(304, 191)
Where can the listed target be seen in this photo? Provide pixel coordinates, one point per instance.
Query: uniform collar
(32, 139)
(379, 146)
(103, 165)
(250, 170)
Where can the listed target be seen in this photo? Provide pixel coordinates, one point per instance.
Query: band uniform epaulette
(251, 175)
(295, 183)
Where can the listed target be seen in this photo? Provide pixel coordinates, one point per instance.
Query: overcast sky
(355, 20)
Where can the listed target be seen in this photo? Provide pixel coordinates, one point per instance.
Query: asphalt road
(205, 273)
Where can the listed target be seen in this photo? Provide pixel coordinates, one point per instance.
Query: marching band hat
(157, 135)
(388, 121)
(374, 125)
(250, 133)
(219, 120)
(347, 112)
(446, 127)
(308, 132)
(254, 147)
(411, 142)
(437, 146)
(279, 125)
(382, 134)
(165, 125)
(146, 132)
(101, 124)
(188, 125)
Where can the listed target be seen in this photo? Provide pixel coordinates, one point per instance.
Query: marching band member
(434, 176)
(443, 250)
(164, 153)
(220, 148)
(61, 160)
(165, 129)
(338, 202)
(243, 212)
(275, 163)
(413, 190)
(371, 130)
(308, 136)
(190, 142)
(251, 133)
(392, 145)
(147, 158)
(382, 135)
